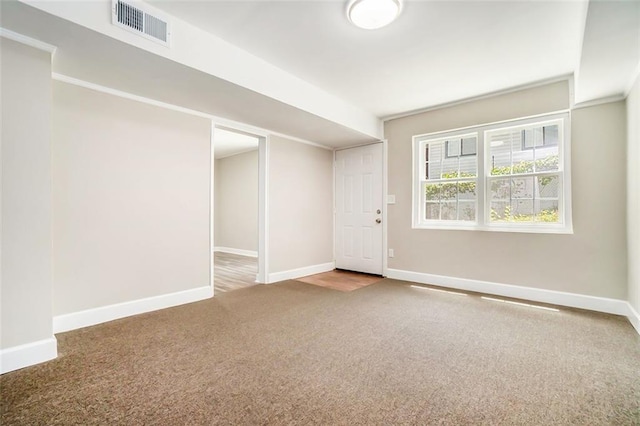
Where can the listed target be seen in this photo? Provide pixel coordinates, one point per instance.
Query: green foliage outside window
(544, 216)
(449, 191)
(542, 165)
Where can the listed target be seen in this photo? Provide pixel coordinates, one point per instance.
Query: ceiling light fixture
(373, 14)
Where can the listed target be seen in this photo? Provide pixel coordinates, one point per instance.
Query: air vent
(135, 17)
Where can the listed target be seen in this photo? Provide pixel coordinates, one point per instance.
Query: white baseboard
(102, 314)
(592, 303)
(301, 272)
(241, 252)
(634, 317)
(29, 354)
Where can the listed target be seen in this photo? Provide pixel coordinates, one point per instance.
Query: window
(510, 176)
(449, 179)
(460, 147)
(540, 136)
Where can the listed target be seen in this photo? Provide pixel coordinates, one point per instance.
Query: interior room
(235, 215)
(320, 212)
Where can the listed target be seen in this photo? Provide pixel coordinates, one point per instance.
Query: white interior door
(359, 209)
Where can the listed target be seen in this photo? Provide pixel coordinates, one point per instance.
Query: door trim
(385, 216)
(263, 200)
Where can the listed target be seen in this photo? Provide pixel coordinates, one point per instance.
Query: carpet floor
(299, 354)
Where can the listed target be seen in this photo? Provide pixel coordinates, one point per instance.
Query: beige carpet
(294, 353)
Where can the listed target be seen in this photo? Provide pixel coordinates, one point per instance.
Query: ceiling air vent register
(135, 17)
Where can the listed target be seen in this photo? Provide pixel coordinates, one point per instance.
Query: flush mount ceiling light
(372, 14)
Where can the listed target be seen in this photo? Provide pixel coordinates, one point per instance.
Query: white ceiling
(610, 58)
(436, 52)
(227, 143)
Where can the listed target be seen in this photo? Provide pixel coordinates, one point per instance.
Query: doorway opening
(236, 209)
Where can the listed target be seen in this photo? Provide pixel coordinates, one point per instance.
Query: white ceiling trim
(481, 97)
(600, 101)
(632, 81)
(217, 121)
(610, 50)
(576, 68)
(28, 41)
(223, 60)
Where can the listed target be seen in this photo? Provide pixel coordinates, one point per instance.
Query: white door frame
(263, 195)
(385, 170)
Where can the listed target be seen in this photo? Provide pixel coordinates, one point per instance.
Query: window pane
(501, 189)
(469, 146)
(521, 157)
(453, 147)
(521, 210)
(547, 211)
(449, 210)
(469, 166)
(467, 210)
(433, 157)
(433, 191)
(450, 168)
(446, 160)
(500, 151)
(525, 199)
(532, 138)
(524, 149)
(550, 135)
(548, 186)
(546, 156)
(547, 159)
(512, 199)
(467, 190)
(449, 191)
(450, 201)
(522, 187)
(500, 211)
(432, 211)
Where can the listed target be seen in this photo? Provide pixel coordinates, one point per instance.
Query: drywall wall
(236, 201)
(26, 289)
(633, 193)
(300, 205)
(592, 261)
(131, 200)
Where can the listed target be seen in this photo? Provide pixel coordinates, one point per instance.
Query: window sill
(560, 229)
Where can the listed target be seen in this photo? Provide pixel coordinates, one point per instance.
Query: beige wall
(26, 289)
(633, 193)
(236, 201)
(300, 205)
(592, 261)
(130, 200)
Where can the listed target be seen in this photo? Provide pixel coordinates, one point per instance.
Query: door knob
(378, 220)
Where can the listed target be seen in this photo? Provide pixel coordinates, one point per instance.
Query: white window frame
(483, 205)
(418, 180)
